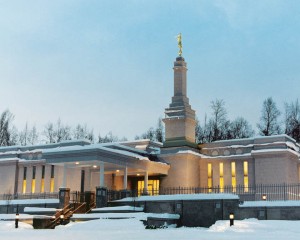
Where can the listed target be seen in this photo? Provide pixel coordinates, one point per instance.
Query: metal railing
(9, 196)
(273, 192)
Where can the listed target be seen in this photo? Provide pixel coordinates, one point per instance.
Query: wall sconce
(231, 218)
(264, 197)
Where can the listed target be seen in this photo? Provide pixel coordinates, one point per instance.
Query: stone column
(102, 183)
(125, 179)
(64, 183)
(88, 179)
(64, 197)
(146, 183)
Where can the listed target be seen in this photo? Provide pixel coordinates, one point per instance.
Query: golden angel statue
(179, 44)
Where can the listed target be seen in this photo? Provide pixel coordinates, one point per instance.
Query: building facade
(148, 166)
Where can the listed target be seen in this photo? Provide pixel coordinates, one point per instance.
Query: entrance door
(153, 187)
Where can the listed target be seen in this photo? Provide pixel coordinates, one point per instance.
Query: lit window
(233, 176)
(246, 180)
(209, 176)
(221, 177)
(153, 187)
(52, 179)
(24, 180)
(43, 179)
(33, 179)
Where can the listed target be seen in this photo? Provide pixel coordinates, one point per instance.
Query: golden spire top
(179, 44)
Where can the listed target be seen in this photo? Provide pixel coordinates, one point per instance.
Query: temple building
(148, 166)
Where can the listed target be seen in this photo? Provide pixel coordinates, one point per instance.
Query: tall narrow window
(246, 180)
(221, 177)
(33, 179)
(43, 179)
(52, 179)
(209, 177)
(24, 180)
(233, 177)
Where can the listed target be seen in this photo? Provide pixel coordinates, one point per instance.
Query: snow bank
(29, 201)
(210, 196)
(121, 208)
(271, 204)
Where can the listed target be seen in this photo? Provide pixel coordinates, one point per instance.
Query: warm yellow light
(117, 170)
(138, 174)
(43, 185)
(221, 177)
(231, 216)
(209, 176)
(17, 216)
(52, 185)
(62, 216)
(264, 197)
(33, 186)
(77, 163)
(94, 166)
(24, 186)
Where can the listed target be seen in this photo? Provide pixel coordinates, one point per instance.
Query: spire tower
(179, 116)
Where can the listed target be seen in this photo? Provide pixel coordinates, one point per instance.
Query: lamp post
(231, 218)
(17, 220)
(264, 197)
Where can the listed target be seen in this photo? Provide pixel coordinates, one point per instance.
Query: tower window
(209, 177)
(233, 177)
(221, 177)
(52, 179)
(43, 179)
(246, 180)
(33, 179)
(24, 180)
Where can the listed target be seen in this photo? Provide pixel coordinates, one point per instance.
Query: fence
(9, 196)
(272, 192)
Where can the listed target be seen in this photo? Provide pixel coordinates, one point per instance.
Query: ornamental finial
(179, 44)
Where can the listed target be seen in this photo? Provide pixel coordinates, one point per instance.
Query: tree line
(215, 127)
(219, 127)
(52, 133)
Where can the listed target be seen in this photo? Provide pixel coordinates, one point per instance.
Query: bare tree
(269, 119)
(292, 120)
(240, 128)
(82, 132)
(6, 128)
(218, 122)
(154, 134)
(28, 136)
(110, 138)
(58, 132)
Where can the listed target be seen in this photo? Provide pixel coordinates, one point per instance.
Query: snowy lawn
(132, 229)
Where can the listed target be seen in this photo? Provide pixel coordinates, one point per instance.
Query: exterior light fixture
(138, 174)
(77, 163)
(94, 166)
(264, 197)
(231, 218)
(61, 216)
(117, 170)
(17, 220)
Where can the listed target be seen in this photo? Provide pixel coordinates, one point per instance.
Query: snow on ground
(120, 208)
(133, 229)
(290, 203)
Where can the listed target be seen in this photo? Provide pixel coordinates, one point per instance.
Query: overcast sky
(109, 63)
